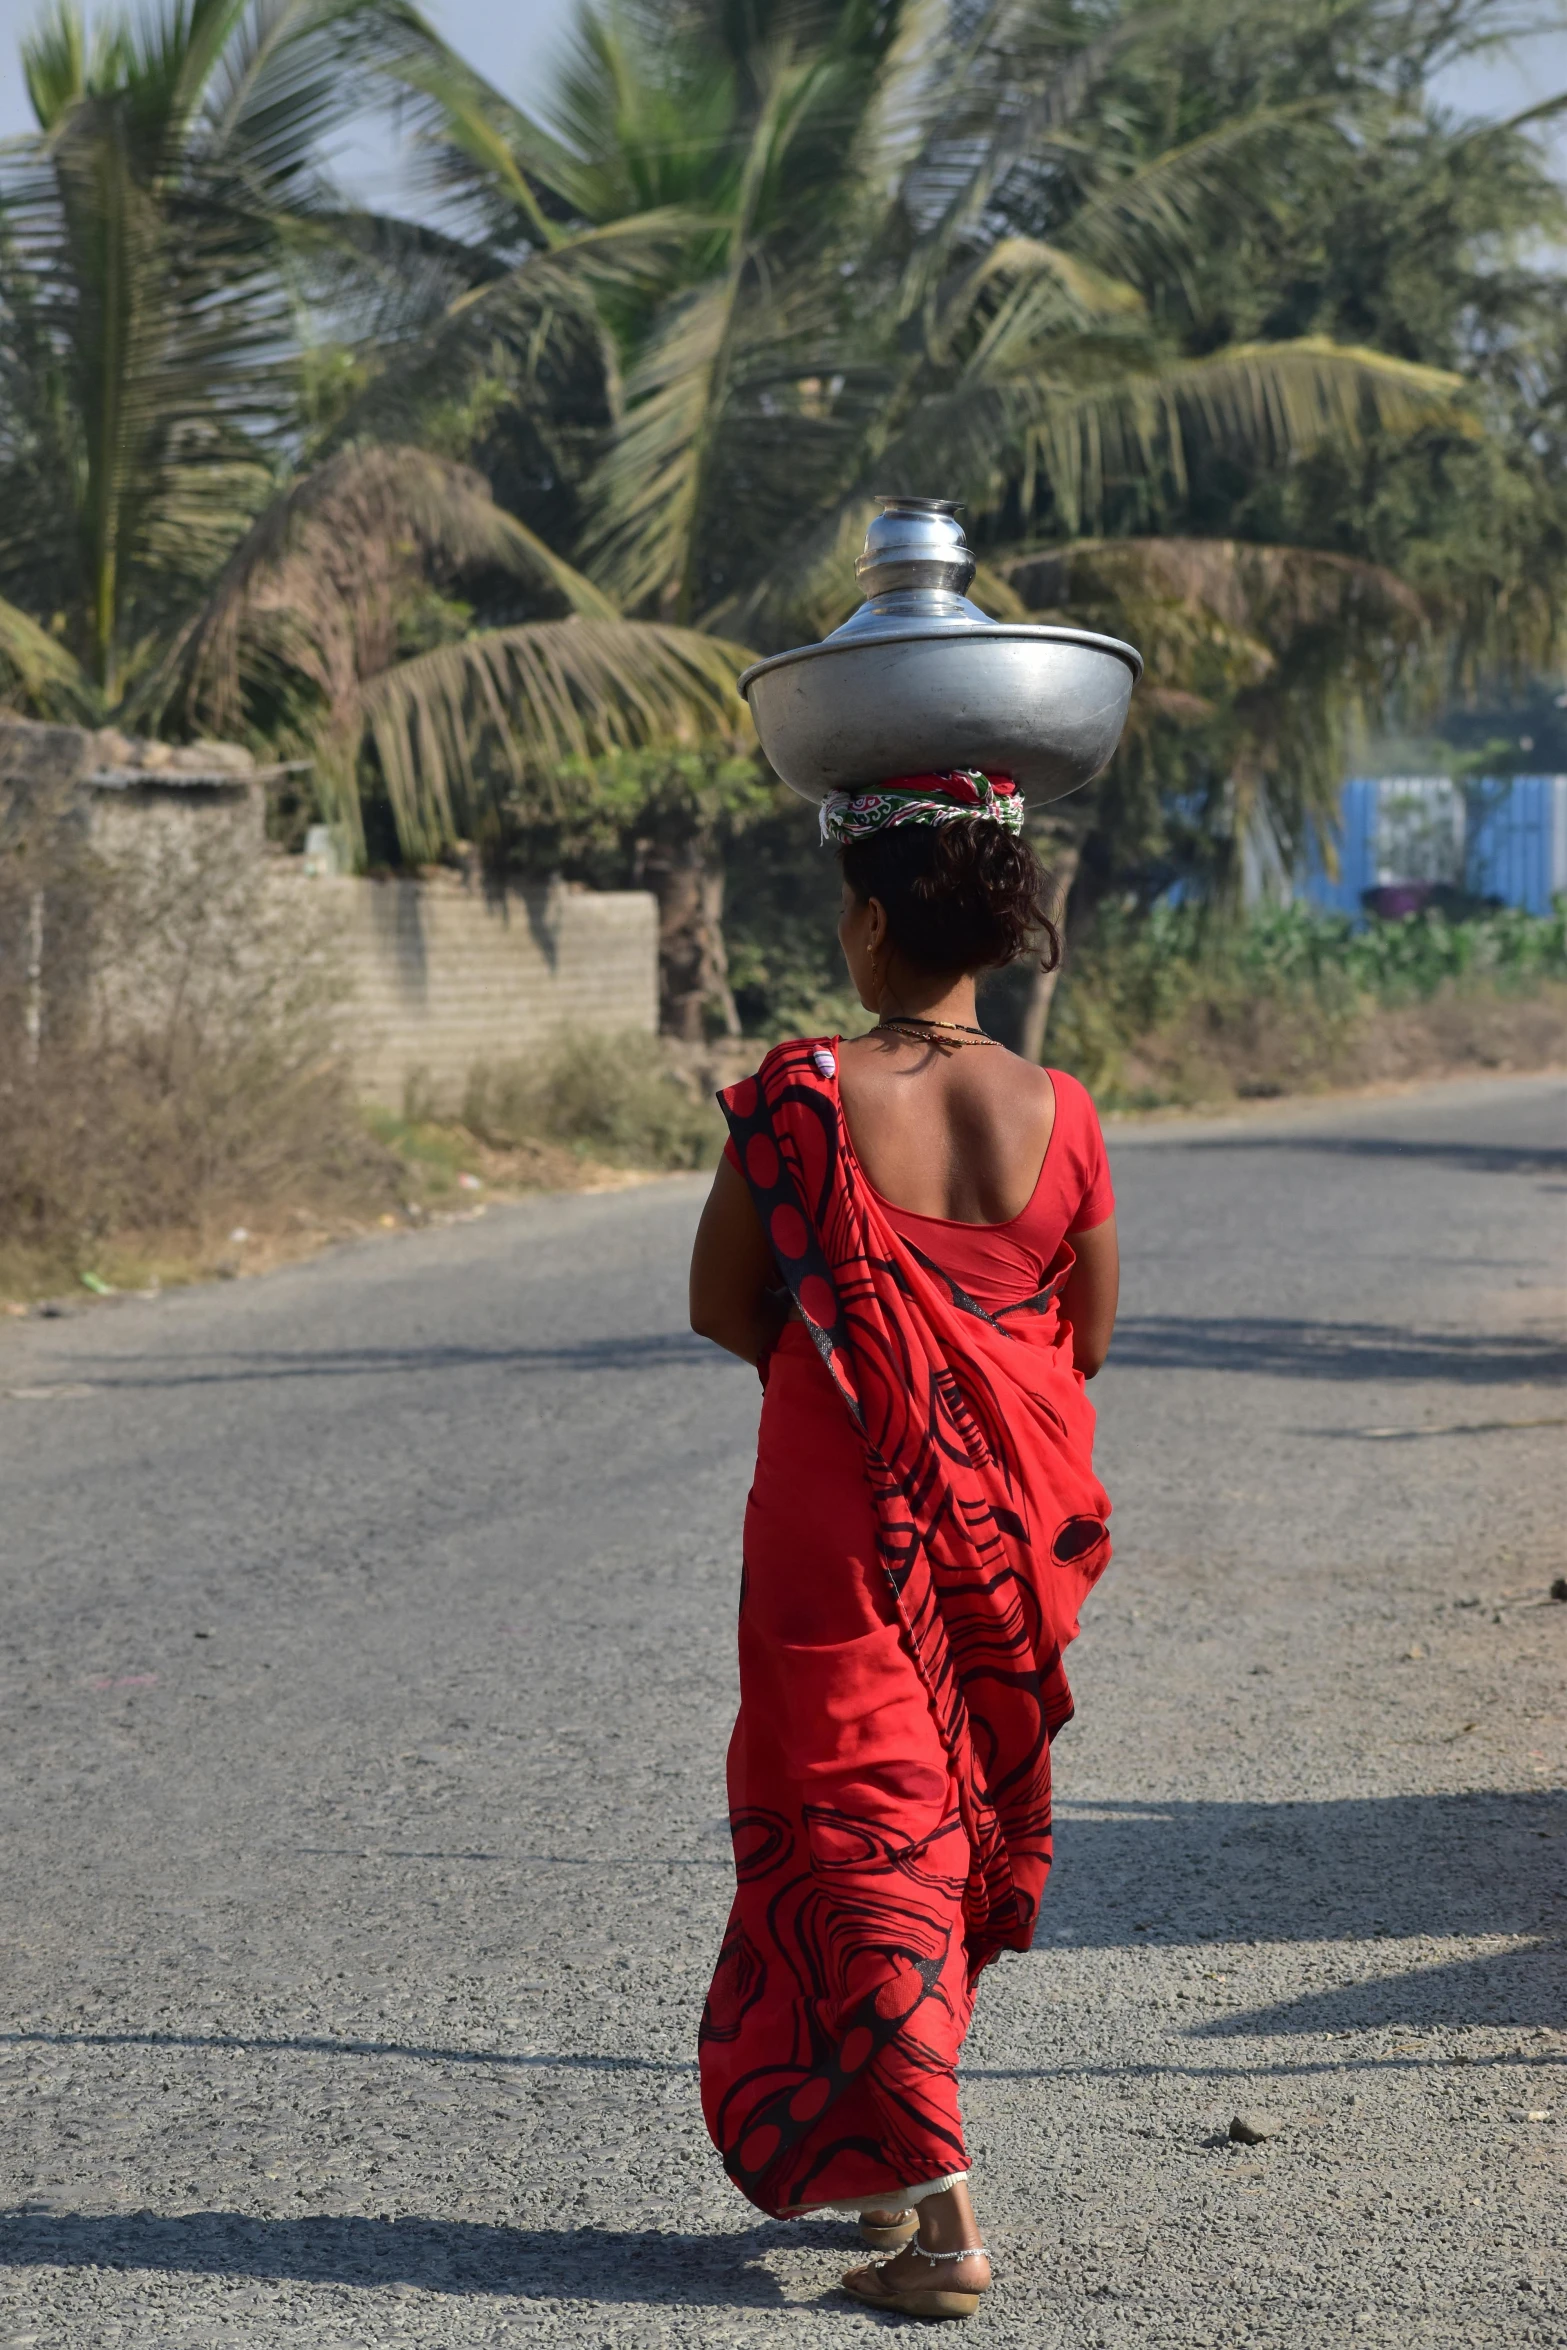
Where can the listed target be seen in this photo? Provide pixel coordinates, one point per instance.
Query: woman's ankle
(947, 2222)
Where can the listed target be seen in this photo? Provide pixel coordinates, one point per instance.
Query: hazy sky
(510, 42)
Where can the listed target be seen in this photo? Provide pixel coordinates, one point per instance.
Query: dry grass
(1215, 1052)
(177, 1105)
(626, 1101)
(168, 1070)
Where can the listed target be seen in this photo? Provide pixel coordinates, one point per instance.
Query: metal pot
(921, 679)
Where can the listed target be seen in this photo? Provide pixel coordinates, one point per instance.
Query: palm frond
(1243, 584)
(971, 153)
(1220, 616)
(1148, 219)
(1021, 289)
(533, 696)
(808, 588)
(894, 126)
(525, 327)
(38, 677)
(1264, 402)
(650, 496)
(319, 584)
(486, 149)
(643, 495)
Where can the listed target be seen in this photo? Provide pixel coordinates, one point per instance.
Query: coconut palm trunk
(1041, 995)
(686, 876)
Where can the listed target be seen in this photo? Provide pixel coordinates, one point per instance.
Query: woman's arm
(1088, 1301)
(736, 1298)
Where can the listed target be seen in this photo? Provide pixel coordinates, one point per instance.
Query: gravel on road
(368, 1661)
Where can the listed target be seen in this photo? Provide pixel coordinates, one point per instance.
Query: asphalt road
(367, 1667)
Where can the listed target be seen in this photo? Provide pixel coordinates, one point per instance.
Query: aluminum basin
(1043, 705)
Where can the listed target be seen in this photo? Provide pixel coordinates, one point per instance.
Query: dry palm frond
(1227, 611)
(995, 594)
(1239, 583)
(1174, 703)
(319, 586)
(319, 590)
(536, 695)
(1284, 647)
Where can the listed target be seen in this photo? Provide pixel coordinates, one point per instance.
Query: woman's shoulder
(1074, 1103)
(795, 1048)
(794, 1055)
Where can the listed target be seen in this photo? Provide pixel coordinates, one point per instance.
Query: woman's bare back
(957, 1131)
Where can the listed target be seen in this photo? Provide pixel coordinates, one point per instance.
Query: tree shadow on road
(1275, 1348)
(259, 1366)
(1470, 1158)
(605, 2265)
(1521, 1987)
(320, 2044)
(1366, 1872)
(1398, 1867)
(1289, 1349)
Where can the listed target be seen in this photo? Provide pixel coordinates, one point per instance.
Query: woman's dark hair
(962, 896)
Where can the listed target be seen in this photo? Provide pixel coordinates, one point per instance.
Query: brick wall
(440, 975)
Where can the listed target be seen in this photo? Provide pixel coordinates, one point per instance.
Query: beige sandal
(873, 2286)
(888, 2234)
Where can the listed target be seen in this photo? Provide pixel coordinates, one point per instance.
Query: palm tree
(312, 607)
(886, 247)
(153, 232)
(167, 545)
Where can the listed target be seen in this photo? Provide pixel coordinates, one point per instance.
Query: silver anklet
(964, 2252)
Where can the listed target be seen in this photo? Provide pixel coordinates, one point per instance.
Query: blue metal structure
(1517, 841)
(1505, 839)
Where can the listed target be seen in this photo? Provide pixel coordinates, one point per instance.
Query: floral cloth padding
(921, 799)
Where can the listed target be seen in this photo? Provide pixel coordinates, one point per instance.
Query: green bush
(616, 1098)
(1275, 999)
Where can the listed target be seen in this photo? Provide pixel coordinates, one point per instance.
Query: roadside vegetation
(175, 1099)
(1175, 1008)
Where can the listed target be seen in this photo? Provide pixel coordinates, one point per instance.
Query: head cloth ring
(921, 799)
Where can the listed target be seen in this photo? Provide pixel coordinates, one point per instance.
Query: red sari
(922, 1530)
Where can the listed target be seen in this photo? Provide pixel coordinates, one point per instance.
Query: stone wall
(433, 974)
(440, 974)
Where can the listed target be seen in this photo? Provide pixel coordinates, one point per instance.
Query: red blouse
(1001, 1264)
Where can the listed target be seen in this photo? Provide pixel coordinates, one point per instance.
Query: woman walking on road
(912, 1237)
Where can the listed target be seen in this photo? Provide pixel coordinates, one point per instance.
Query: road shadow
(320, 2044)
(1362, 1871)
(1521, 1987)
(258, 1366)
(711, 2270)
(1359, 1873)
(1256, 1345)
(1470, 1158)
(1353, 1869)
(1247, 1344)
